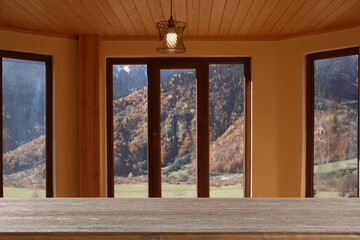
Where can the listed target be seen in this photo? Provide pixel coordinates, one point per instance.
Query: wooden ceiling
(206, 19)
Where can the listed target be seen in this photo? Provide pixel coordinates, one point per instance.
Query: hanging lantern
(171, 36)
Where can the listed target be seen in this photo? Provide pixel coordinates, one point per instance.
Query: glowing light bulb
(171, 39)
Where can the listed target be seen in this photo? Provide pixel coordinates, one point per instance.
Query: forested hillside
(23, 110)
(23, 102)
(178, 123)
(336, 125)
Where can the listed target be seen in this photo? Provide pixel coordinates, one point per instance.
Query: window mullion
(154, 131)
(203, 142)
(1, 135)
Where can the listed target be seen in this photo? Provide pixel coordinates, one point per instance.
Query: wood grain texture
(193, 17)
(276, 14)
(206, 19)
(89, 111)
(180, 9)
(159, 216)
(251, 16)
(176, 236)
(216, 17)
(146, 17)
(266, 11)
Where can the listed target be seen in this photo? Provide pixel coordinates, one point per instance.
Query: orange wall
(278, 101)
(64, 52)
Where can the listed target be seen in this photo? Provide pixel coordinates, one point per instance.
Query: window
(227, 129)
(333, 124)
(26, 164)
(178, 132)
(178, 127)
(130, 130)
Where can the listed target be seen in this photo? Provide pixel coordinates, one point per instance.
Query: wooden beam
(89, 115)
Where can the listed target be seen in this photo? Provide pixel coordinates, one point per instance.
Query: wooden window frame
(310, 111)
(202, 113)
(48, 114)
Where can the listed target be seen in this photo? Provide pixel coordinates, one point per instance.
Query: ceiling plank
(74, 12)
(297, 17)
(193, 17)
(181, 12)
(165, 5)
(134, 16)
(336, 14)
(63, 14)
(323, 15)
(93, 12)
(286, 17)
(204, 17)
(348, 17)
(122, 16)
(44, 16)
(239, 17)
(265, 13)
(216, 17)
(251, 17)
(145, 14)
(156, 10)
(310, 15)
(19, 12)
(274, 17)
(14, 20)
(55, 14)
(5, 22)
(228, 16)
(110, 16)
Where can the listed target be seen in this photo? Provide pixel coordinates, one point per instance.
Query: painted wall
(278, 101)
(65, 75)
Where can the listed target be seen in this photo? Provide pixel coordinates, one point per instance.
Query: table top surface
(180, 215)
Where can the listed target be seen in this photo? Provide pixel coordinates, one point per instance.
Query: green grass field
(329, 167)
(327, 194)
(23, 193)
(140, 190)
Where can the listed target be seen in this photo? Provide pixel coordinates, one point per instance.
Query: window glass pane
(23, 89)
(178, 132)
(336, 127)
(130, 130)
(227, 130)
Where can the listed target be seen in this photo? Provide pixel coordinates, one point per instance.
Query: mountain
(336, 109)
(337, 78)
(23, 102)
(127, 79)
(227, 152)
(26, 156)
(178, 122)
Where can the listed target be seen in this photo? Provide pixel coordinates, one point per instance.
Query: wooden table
(227, 219)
